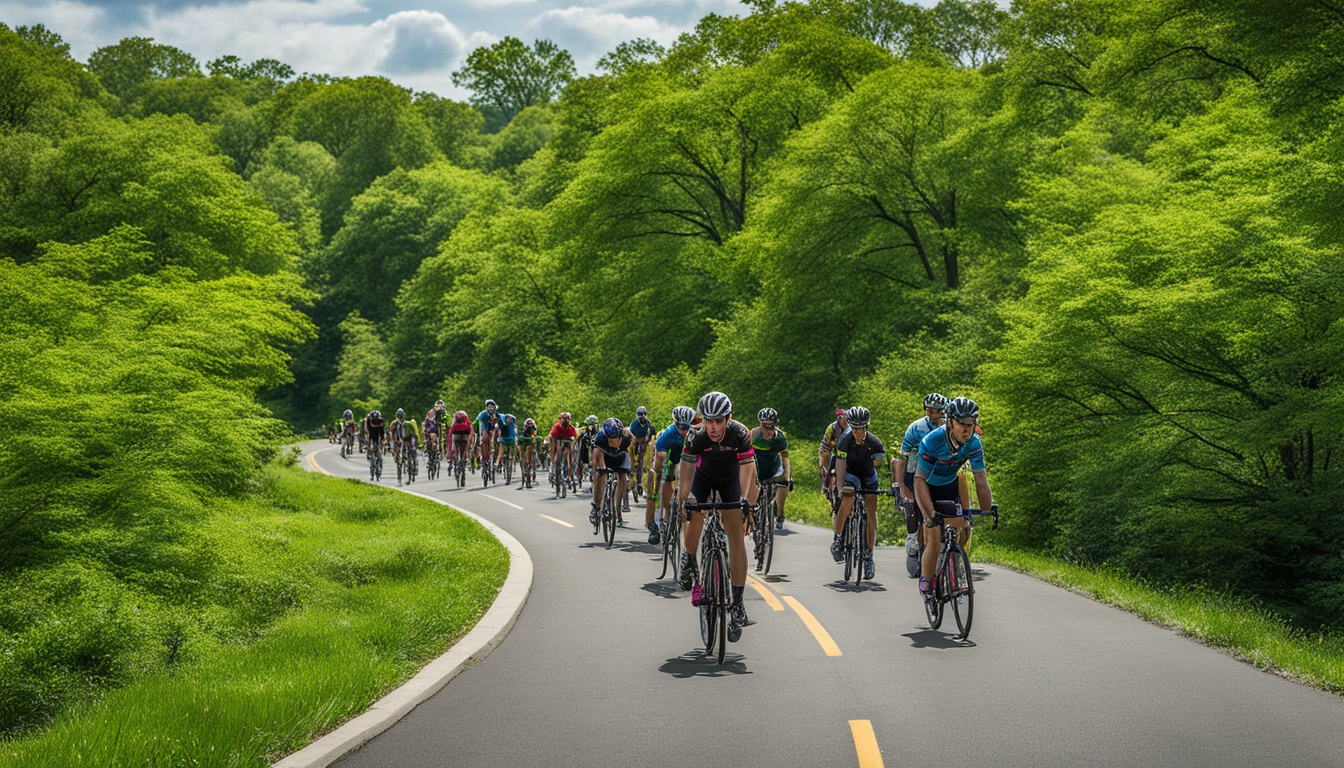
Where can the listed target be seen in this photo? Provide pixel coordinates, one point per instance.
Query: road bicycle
(907, 509)
(670, 521)
(406, 462)
(609, 516)
(432, 462)
(639, 448)
(952, 581)
(375, 464)
(713, 593)
(560, 471)
(854, 536)
(347, 444)
(460, 468)
(529, 468)
(508, 452)
(763, 523)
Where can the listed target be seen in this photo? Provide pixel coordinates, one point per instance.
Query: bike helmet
(767, 414)
(935, 400)
(641, 411)
(715, 405)
(489, 403)
(529, 423)
(348, 414)
(683, 415)
(612, 426)
(401, 414)
(963, 408)
(590, 420)
(375, 414)
(460, 416)
(858, 416)
(509, 418)
(564, 416)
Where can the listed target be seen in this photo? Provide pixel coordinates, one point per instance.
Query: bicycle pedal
(697, 595)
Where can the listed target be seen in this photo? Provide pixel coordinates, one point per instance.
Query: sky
(414, 43)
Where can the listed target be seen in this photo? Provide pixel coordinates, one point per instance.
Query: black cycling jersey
(613, 453)
(859, 456)
(717, 463)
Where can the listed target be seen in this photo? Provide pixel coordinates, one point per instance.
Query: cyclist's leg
(599, 482)
(870, 503)
(846, 503)
(734, 526)
(933, 537)
(623, 479)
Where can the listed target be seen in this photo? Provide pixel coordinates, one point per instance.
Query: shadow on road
(849, 586)
(932, 638)
(625, 546)
(697, 664)
(667, 589)
(979, 575)
(775, 578)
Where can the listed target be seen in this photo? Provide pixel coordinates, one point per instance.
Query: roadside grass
(1214, 619)
(331, 593)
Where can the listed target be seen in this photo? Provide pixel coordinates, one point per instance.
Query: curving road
(604, 668)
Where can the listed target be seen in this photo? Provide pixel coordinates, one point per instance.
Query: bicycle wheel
(961, 590)
(508, 470)
(850, 544)
(713, 631)
(933, 603)
(610, 509)
(860, 540)
(768, 515)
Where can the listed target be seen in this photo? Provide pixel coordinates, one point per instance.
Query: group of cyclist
(704, 452)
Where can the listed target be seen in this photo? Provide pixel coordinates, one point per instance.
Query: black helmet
(767, 414)
(858, 416)
(401, 414)
(963, 408)
(935, 400)
(715, 405)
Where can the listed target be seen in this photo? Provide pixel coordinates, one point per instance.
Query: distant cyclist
(508, 440)
(643, 431)
(772, 458)
(562, 438)
(858, 454)
(942, 453)
(488, 424)
(373, 429)
(611, 450)
(461, 433)
(718, 458)
(667, 453)
(585, 444)
(826, 452)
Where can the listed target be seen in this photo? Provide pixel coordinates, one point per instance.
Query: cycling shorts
(730, 492)
(619, 463)
(865, 485)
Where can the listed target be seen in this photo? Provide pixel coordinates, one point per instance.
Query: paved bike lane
(604, 668)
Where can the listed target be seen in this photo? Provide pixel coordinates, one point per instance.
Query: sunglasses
(970, 423)
(767, 425)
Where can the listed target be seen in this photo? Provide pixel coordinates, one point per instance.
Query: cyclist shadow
(849, 586)
(625, 546)
(932, 638)
(697, 664)
(773, 578)
(665, 589)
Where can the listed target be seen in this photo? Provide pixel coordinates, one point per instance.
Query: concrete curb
(477, 644)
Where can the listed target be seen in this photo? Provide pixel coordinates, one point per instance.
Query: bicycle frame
(713, 594)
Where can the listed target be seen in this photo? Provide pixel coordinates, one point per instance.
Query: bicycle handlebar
(709, 505)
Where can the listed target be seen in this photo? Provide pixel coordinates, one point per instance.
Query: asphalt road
(604, 668)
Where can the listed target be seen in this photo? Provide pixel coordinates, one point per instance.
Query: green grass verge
(1212, 618)
(343, 592)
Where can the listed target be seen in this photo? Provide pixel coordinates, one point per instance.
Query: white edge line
(496, 498)
(478, 643)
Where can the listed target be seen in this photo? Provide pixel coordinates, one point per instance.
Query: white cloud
(589, 33)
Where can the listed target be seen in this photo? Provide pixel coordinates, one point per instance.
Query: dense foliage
(1112, 222)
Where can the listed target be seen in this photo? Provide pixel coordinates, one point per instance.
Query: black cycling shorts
(729, 492)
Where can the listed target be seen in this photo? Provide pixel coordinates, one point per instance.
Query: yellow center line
(865, 743)
(769, 596)
(823, 637)
(313, 463)
(554, 520)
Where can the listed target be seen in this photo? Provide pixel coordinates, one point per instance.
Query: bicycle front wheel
(961, 590)
(610, 508)
(860, 542)
(768, 526)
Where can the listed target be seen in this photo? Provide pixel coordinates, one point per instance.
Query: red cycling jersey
(563, 432)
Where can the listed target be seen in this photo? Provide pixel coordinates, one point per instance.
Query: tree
(362, 368)
(507, 77)
(969, 32)
(128, 66)
(456, 128)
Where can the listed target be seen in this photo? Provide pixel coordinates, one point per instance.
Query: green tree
(128, 66)
(456, 128)
(507, 77)
(362, 367)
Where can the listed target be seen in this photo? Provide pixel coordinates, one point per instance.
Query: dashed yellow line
(765, 593)
(865, 743)
(819, 632)
(556, 520)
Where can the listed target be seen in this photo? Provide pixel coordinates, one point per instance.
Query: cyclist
(461, 434)
(373, 429)
(719, 457)
(942, 453)
(643, 430)
(562, 442)
(441, 421)
(585, 443)
(858, 454)
(903, 469)
(508, 439)
(430, 427)
(403, 431)
(772, 458)
(611, 447)
(826, 454)
(348, 426)
(488, 424)
(528, 440)
(667, 452)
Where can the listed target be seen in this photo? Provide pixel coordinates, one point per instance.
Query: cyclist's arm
(788, 468)
(923, 497)
(898, 466)
(748, 479)
(684, 474)
(659, 458)
(841, 466)
(982, 494)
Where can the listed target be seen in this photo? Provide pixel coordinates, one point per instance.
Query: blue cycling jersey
(641, 428)
(671, 442)
(508, 433)
(914, 434)
(488, 423)
(937, 462)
